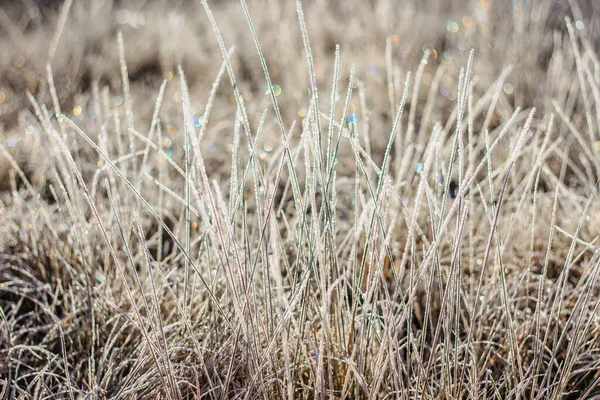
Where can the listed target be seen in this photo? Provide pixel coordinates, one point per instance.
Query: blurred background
(159, 35)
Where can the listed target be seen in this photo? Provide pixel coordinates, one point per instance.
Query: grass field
(299, 199)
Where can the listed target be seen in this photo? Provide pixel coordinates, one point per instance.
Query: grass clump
(299, 200)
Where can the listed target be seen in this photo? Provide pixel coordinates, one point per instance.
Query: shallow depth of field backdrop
(299, 199)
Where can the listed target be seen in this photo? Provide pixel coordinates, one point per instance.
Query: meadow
(299, 199)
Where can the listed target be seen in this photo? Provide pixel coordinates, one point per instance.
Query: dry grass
(269, 199)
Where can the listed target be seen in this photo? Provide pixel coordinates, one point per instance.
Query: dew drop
(419, 167)
(352, 118)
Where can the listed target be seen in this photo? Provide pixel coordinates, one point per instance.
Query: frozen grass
(270, 199)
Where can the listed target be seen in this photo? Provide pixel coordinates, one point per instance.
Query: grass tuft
(313, 199)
